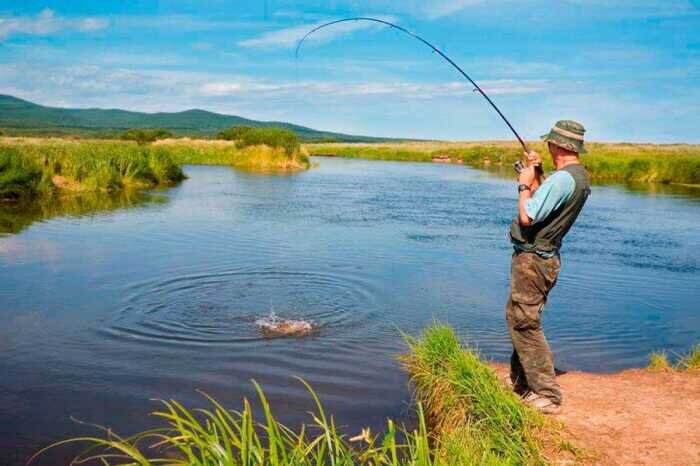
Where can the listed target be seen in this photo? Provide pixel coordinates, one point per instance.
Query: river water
(105, 307)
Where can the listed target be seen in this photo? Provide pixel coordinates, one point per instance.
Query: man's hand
(527, 175)
(533, 158)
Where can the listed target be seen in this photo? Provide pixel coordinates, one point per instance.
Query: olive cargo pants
(531, 365)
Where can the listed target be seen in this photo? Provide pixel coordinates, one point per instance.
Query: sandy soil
(635, 417)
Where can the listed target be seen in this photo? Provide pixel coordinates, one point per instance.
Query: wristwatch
(523, 187)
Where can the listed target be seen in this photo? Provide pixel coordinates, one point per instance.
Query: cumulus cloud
(289, 37)
(47, 23)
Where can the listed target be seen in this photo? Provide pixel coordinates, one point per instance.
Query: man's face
(553, 150)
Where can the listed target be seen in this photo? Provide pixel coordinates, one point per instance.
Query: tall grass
(261, 157)
(19, 175)
(30, 167)
(606, 162)
(475, 419)
(43, 166)
(217, 436)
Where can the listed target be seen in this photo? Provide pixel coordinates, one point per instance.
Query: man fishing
(546, 212)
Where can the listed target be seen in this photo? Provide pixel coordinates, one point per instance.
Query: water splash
(273, 326)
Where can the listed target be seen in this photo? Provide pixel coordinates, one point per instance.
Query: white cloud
(289, 37)
(46, 23)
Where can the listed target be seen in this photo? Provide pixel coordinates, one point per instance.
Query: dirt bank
(635, 417)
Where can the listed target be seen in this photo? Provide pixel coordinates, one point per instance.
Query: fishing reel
(519, 165)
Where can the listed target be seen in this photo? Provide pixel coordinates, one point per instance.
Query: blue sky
(629, 70)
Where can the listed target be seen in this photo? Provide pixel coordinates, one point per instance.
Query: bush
(144, 136)
(272, 137)
(234, 133)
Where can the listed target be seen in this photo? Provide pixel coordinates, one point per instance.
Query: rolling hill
(18, 116)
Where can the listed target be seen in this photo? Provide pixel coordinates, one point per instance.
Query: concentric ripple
(223, 307)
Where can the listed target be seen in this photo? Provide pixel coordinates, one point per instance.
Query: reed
(217, 436)
(34, 166)
(474, 418)
(40, 167)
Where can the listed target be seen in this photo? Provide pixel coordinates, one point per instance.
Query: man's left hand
(527, 175)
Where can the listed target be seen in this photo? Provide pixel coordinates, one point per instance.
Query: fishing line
(435, 49)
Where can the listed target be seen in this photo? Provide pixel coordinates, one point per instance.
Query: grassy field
(677, 164)
(31, 167)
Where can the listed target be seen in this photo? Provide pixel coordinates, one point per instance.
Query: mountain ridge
(21, 116)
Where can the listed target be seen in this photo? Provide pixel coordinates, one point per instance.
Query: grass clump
(246, 136)
(217, 436)
(474, 418)
(658, 361)
(691, 360)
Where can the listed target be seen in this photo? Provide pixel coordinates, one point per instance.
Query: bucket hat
(567, 134)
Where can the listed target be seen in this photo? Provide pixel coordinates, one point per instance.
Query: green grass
(690, 361)
(41, 167)
(465, 416)
(658, 361)
(256, 157)
(32, 167)
(19, 175)
(679, 164)
(217, 436)
(474, 418)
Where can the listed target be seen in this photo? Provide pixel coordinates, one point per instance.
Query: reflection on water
(16, 216)
(105, 308)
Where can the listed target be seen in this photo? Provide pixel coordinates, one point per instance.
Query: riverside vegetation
(34, 167)
(669, 164)
(465, 416)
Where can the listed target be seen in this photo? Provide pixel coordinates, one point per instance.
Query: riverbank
(31, 167)
(616, 162)
(466, 415)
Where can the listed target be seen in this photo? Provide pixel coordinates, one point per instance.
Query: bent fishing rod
(435, 49)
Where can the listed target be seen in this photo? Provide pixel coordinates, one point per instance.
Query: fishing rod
(435, 49)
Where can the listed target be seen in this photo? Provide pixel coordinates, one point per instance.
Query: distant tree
(145, 136)
(234, 133)
(2, 132)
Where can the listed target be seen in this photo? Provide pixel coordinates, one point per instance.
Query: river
(105, 309)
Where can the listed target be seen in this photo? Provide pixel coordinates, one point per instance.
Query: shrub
(144, 136)
(272, 137)
(234, 133)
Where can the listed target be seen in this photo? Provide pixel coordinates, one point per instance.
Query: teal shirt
(552, 194)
